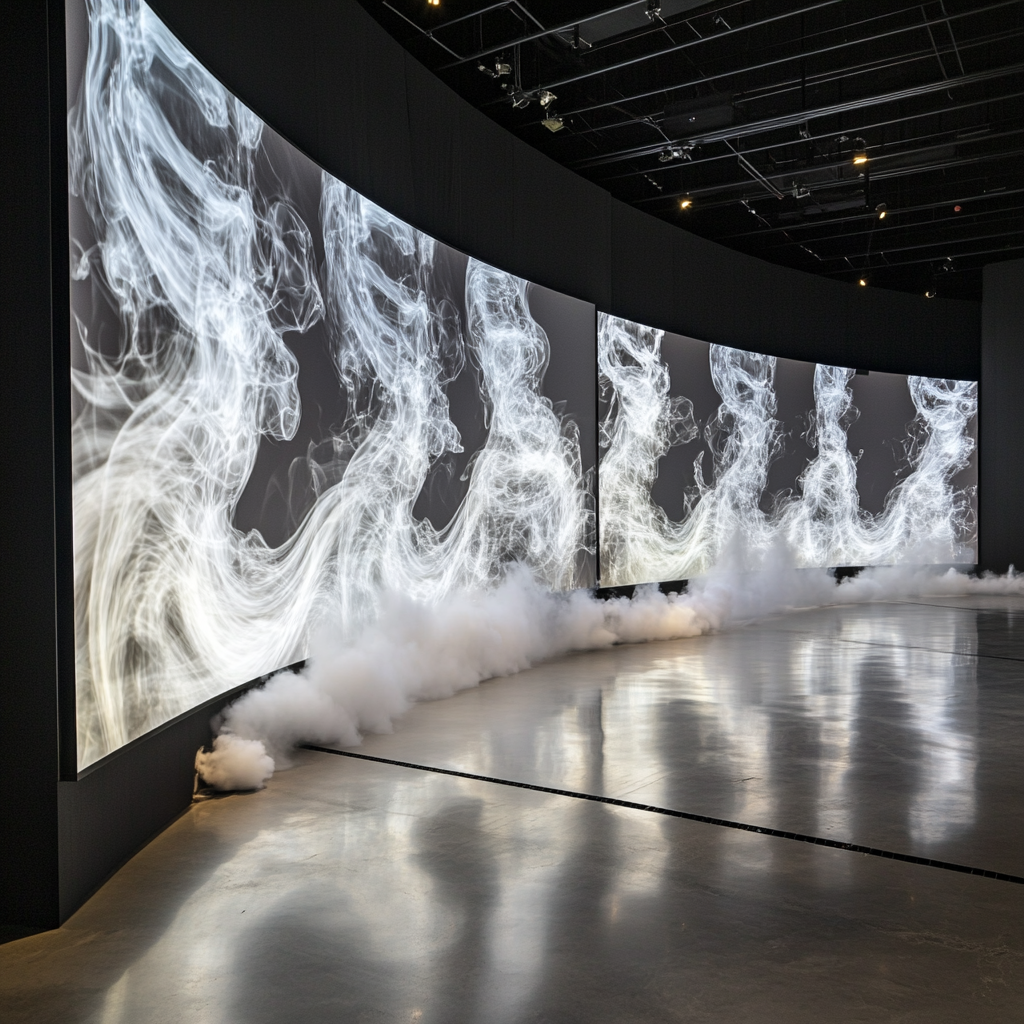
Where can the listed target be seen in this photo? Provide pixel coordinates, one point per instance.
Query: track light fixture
(520, 99)
(881, 210)
(670, 153)
(686, 203)
(653, 9)
(546, 98)
(500, 68)
(860, 152)
(863, 282)
(553, 122)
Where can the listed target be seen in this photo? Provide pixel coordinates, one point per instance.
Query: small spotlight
(546, 98)
(501, 68)
(486, 70)
(860, 152)
(553, 123)
(653, 9)
(520, 100)
(929, 295)
(881, 209)
(670, 153)
(433, 3)
(685, 204)
(863, 282)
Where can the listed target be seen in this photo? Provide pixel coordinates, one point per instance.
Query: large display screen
(711, 454)
(287, 402)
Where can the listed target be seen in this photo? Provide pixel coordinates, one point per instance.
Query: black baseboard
(666, 587)
(117, 805)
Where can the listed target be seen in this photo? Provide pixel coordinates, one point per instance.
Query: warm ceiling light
(881, 209)
(929, 295)
(860, 152)
(434, 3)
(863, 282)
(685, 204)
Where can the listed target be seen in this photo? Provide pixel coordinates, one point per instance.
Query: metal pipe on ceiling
(567, 27)
(757, 24)
(694, 82)
(876, 230)
(917, 208)
(801, 116)
(901, 172)
(924, 259)
(854, 132)
(949, 243)
(878, 172)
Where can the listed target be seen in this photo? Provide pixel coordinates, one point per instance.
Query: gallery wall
(1001, 491)
(325, 74)
(334, 83)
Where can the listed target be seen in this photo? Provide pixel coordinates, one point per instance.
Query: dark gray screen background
(879, 436)
(280, 491)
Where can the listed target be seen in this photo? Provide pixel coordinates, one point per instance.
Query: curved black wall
(331, 80)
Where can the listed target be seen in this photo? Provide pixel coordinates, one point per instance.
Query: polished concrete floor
(352, 891)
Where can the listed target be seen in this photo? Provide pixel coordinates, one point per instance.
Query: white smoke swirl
(925, 519)
(206, 273)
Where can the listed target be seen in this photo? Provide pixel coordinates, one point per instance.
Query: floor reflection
(362, 892)
(859, 724)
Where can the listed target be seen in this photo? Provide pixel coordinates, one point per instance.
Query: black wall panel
(1001, 415)
(326, 75)
(28, 676)
(122, 801)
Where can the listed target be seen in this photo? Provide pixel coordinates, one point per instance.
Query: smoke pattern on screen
(442, 524)
(925, 519)
(203, 264)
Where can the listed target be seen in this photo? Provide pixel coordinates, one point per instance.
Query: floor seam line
(930, 650)
(705, 819)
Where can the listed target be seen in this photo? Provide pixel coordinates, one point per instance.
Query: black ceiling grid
(873, 142)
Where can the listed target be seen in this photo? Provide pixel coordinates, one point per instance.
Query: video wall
(288, 403)
(712, 455)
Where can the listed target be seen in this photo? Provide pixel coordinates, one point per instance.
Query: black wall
(1001, 415)
(329, 78)
(28, 676)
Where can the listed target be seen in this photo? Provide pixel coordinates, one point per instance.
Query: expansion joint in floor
(705, 819)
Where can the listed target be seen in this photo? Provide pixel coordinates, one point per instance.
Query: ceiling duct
(631, 19)
(691, 117)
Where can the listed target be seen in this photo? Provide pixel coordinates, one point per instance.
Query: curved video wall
(287, 403)
(712, 454)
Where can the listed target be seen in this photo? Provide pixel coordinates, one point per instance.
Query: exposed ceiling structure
(868, 141)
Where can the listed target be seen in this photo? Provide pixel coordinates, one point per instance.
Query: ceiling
(867, 141)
